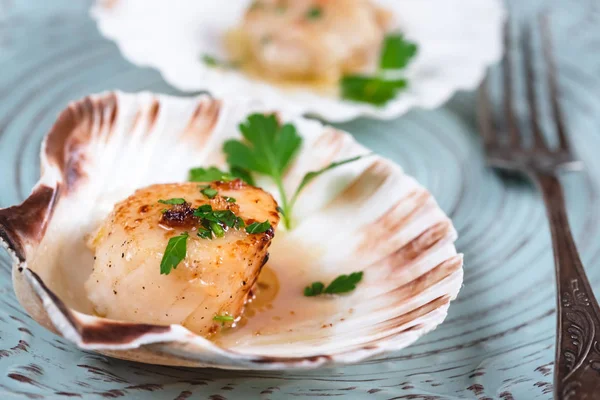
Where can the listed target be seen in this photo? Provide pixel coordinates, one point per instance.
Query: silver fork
(577, 362)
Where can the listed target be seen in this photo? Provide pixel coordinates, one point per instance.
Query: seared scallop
(314, 39)
(216, 272)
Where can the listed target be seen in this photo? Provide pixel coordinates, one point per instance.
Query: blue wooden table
(498, 340)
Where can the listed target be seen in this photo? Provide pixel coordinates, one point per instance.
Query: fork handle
(577, 362)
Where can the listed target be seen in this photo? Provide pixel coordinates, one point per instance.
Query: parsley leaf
(397, 52)
(314, 290)
(173, 201)
(229, 199)
(215, 221)
(226, 217)
(204, 233)
(209, 174)
(258, 227)
(344, 283)
(374, 90)
(270, 146)
(223, 318)
(312, 175)
(243, 174)
(174, 253)
(341, 284)
(212, 61)
(239, 223)
(314, 12)
(209, 192)
(268, 149)
(378, 90)
(217, 229)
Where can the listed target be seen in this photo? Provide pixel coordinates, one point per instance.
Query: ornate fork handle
(577, 369)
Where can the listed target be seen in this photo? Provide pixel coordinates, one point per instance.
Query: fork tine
(538, 139)
(513, 130)
(485, 115)
(552, 83)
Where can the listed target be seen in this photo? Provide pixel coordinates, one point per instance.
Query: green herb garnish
(223, 318)
(202, 210)
(379, 89)
(209, 192)
(216, 229)
(258, 227)
(368, 89)
(239, 223)
(226, 217)
(269, 149)
(341, 284)
(312, 175)
(212, 61)
(397, 52)
(215, 221)
(204, 233)
(315, 289)
(314, 12)
(243, 174)
(209, 175)
(174, 253)
(173, 201)
(229, 199)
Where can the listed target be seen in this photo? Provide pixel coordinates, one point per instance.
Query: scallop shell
(366, 216)
(457, 40)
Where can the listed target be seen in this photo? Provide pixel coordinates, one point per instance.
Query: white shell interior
(366, 216)
(457, 40)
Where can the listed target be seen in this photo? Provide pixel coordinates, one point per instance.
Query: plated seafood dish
(336, 59)
(223, 233)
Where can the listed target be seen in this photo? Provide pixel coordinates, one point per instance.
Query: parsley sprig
(341, 284)
(269, 148)
(396, 54)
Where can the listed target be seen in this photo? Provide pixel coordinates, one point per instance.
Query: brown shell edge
(25, 224)
(106, 333)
